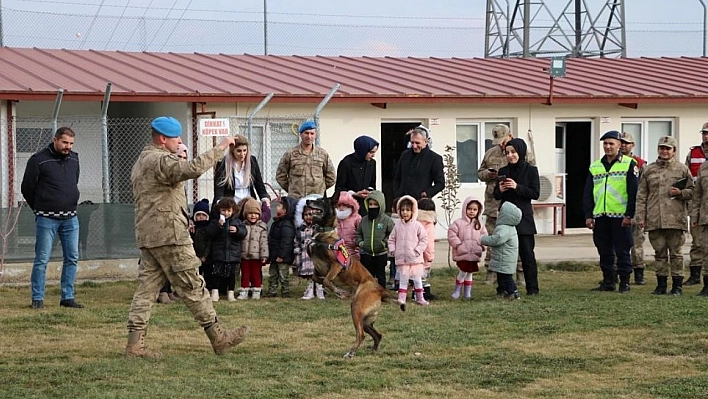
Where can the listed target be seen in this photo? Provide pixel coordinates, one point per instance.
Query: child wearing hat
(200, 238)
(226, 234)
(254, 249)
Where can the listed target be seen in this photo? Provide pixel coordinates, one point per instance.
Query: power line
(143, 19)
(93, 21)
(116, 25)
(175, 25)
(162, 23)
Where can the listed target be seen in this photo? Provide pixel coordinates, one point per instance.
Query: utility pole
(265, 27)
(705, 18)
(2, 41)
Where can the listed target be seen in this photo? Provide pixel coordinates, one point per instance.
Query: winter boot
(512, 296)
(402, 296)
(319, 291)
(520, 280)
(676, 286)
(164, 298)
(624, 284)
(256, 293)
(639, 276)
(429, 296)
(661, 283)
(458, 289)
(607, 283)
(242, 293)
(173, 296)
(136, 346)
(490, 278)
(223, 340)
(704, 291)
(231, 295)
(468, 290)
(420, 298)
(695, 277)
(215, 295)
(309, 291)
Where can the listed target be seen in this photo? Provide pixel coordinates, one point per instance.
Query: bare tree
(449, 199)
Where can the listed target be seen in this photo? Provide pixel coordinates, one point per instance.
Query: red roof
(37, 74)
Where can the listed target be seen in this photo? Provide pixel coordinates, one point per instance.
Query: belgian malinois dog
(334, 267)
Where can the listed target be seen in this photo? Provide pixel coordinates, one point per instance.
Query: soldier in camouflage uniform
(493, 160)
(637, 253)
(699, 213)
(665, 188)
(696, 157)
(161, 227)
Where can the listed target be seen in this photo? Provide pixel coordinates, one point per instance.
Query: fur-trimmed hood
(347, 199)
(300, 207)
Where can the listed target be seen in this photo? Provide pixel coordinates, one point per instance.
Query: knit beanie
(362, 146)
(251, 206)
(201, 207)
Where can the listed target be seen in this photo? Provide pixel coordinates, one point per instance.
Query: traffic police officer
(609, 203)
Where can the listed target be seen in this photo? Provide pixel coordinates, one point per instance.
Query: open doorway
(393, 142)
(578, 149)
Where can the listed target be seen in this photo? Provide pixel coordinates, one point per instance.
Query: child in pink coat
(464, 238)
(348, 219)
(428, 218)
(407, 242)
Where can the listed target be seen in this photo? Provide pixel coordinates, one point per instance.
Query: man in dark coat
(419, 172)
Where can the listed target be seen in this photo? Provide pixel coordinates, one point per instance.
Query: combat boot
(661, 283)
(695, 277)
(223, 340)
(639, 276)
(624, 284)
(676, 283)
(136, 346)
(704, 291)
(607, 283)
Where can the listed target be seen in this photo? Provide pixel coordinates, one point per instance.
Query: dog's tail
(387, 297)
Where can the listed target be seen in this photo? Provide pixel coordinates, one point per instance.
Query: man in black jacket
(419, 172)
(50, 187)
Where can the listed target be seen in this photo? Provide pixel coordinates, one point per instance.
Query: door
(393, 142)
(577, 163)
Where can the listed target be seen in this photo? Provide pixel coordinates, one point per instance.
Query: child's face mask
(344, 213)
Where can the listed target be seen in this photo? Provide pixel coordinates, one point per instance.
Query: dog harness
(341, 253)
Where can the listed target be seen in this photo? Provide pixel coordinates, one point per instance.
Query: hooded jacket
(354, 173)
(372, 235)
(281, 237)
(428, 219)
(346, 228)
(408, 239)
(504, 240)
(255, 244)
(528, 187)
(50, 183)
(464, 238)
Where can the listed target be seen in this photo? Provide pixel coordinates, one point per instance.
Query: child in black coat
(226, 234)
(281, 247)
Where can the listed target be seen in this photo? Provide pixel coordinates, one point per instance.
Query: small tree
(449, 199)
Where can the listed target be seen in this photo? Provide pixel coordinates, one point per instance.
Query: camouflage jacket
(699, 205)
(496, 159)
(655, 207)
(161, 216)
(301, 174)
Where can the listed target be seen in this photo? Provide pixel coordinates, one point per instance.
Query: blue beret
(308, 126)
(167, 126)
(612, 134)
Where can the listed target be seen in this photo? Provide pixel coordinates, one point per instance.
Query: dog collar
(341, 253)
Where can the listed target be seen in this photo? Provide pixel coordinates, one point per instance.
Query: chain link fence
(199, 31)
(105, 211)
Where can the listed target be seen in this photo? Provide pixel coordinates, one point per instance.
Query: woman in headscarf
(519, 184)
(238, 175)
(356, 173)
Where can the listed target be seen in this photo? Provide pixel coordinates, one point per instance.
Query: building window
(646, 135)
(471, 146)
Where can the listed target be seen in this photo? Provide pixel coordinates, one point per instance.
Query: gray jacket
(505, 241)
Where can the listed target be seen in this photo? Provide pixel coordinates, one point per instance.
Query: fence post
(256, 110)
(104, 146)
(55, 111)
(321, 106)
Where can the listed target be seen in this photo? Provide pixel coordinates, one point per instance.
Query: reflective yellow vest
(610, 188)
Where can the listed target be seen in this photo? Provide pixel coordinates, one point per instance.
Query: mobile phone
(501, 177)
(492, 170)
(370, 188)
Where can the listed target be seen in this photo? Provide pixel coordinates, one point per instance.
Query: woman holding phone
(356, 173)
(518, 183)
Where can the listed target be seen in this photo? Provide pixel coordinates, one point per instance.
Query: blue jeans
(47, 229)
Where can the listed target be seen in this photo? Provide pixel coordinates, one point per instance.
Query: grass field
(566, 343)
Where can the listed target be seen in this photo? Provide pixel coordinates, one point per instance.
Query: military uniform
(301, 174)
(665, 217)
(699, 214)
(695, 158)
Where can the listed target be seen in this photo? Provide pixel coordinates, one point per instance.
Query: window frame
(644, 151)
(482, 124)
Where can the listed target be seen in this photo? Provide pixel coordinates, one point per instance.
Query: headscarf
(521, 149)
(362, 146)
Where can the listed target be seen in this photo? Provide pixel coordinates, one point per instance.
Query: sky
(421, 28)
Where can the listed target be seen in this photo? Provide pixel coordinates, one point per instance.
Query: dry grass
(568, 342)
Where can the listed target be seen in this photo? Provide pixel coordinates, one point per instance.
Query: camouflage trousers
(667, 244)
(697, 253)
(179, 265)
(489, 224)
(637, 251)
(279, 274)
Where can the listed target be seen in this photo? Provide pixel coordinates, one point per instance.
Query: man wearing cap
(495, 159)
(305, 169)
(609, 202)
(50, 187)
(161, 229)
(695, 158)
(665, 188)
(637, 252)
(699, 211)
